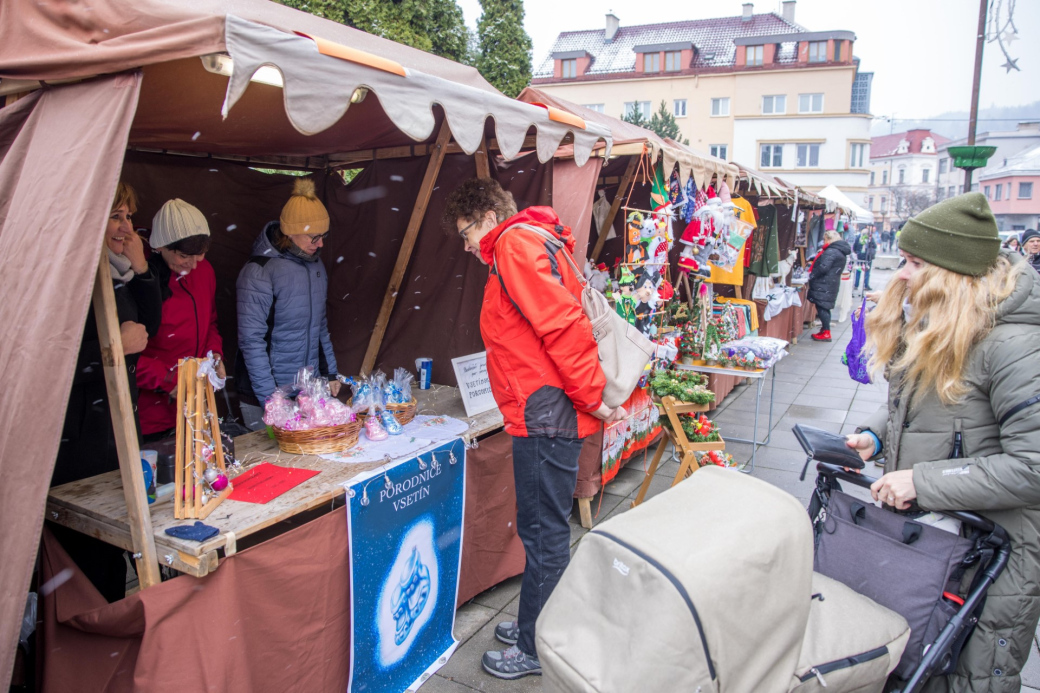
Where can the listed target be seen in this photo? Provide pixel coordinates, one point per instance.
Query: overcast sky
(920, 51)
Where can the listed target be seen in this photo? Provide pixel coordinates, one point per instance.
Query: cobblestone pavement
(811, 386)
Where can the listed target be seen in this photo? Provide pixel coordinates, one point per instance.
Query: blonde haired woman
(957, 333)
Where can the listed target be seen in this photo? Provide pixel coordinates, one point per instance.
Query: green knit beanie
(958, 234)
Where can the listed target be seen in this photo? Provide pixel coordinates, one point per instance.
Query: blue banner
(405, 527)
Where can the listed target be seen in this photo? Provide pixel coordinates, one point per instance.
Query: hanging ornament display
(200, 475)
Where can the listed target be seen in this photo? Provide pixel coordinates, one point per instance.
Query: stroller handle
(837, 472)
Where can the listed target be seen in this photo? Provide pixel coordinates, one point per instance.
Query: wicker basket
(319, 441)
(404, 413)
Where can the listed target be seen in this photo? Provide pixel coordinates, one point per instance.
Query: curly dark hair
(474, 198)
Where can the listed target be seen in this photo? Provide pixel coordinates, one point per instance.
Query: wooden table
(97, 506)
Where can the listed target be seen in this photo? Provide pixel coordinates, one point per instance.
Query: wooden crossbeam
(124, 426)
(433, 168)
(626, 183)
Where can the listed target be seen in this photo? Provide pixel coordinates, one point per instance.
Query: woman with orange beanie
(282, 325)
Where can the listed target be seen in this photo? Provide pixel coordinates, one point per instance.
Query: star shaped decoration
(1011, 65)
(1010, 37)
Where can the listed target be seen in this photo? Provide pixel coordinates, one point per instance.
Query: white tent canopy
(840, 199)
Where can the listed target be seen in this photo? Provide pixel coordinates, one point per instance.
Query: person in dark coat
(825, 279)
(1031, 248)
(88, 445)
(282, 326)
(865, 248)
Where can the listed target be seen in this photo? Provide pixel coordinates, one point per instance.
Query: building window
(902, 175)
(679, 108)
(651, 62)
(985, 190)
(952, 191)
(884, 204)
(642, 106)
(884, 178)
(817, 51)
(720, 150)
(755, 55)
(772, 155)
(925, 174)
(673, 61)
(810, 103)
(943, 163)
(939, 195)
(1000, 192)
(774, 105)
(872, 178)
(569, 68)
(597, 107)
(1025, 191)
(720, 107)
(870, 203)
(837, 51)
(859, 155)
(808, 155)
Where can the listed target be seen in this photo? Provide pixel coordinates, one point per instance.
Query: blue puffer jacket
(282, 325)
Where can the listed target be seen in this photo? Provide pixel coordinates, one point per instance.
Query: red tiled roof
(888, 145)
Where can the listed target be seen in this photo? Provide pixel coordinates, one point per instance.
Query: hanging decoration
(1001, 29)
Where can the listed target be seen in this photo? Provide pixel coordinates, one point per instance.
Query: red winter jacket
(542, 359)
(188, 328)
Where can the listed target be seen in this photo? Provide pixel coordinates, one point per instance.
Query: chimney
(612, 27)
(749, 9)
(788, 6)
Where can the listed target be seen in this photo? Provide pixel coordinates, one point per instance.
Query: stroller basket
(839, 519)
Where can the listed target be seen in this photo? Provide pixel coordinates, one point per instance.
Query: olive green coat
(998, 477)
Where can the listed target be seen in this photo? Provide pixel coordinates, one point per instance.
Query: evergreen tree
(663, 123)
(505, 48)
(327, 9)
(636, 118)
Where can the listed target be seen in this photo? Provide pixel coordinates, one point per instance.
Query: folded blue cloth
(196, 532)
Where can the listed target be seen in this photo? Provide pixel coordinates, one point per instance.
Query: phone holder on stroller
(992, 549)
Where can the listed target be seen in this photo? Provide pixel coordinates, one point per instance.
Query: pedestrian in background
(825, 280)
(865, 249)
(957, 335)
(1031, 248)
(543, 364)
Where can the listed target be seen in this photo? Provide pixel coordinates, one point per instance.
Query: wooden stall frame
(123, 425)
(407, 246)
(615, 206)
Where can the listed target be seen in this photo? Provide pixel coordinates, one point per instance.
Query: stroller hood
(712, 579)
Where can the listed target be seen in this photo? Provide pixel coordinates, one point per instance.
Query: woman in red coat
(180, 237)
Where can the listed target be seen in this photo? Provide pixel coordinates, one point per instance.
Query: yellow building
(758, 89)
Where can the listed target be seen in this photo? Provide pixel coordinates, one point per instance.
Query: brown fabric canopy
(61, 151)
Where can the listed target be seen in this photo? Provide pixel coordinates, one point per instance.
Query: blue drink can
(424, 368)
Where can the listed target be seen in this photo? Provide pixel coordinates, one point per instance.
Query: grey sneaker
(508, 632)
(510, 664)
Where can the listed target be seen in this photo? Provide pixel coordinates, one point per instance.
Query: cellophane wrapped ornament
(399, 390)
(306, 405)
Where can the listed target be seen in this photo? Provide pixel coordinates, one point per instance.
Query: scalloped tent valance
(318, 90)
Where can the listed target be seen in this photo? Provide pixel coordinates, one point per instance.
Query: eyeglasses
(467, 227)
(318, 237)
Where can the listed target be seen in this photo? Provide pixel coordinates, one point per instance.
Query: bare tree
(909, 201)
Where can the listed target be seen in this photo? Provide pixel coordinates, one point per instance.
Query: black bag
(900, 564)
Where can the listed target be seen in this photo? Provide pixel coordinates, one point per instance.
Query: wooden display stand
(672, 408)
(196, 421)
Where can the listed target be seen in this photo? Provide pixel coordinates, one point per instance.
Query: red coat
(542, 359)
(188, 328)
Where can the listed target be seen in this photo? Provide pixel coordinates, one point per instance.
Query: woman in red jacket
(180, 237)
(543, 364)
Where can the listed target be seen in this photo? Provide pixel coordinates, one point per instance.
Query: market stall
(166, 95)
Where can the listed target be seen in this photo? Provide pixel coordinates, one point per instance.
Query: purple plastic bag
(855, 359)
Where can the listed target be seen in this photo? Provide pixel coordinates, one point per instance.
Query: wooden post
(124, 425)
(405, 254)
(481, 157)
(623, 186)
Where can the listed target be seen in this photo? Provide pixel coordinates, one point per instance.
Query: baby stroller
(902, 562)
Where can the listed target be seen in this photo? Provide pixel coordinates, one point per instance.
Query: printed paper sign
(474, 384)
(405, 528)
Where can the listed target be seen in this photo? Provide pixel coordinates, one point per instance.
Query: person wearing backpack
(281, 295)
(543, 365)
(957, 335)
